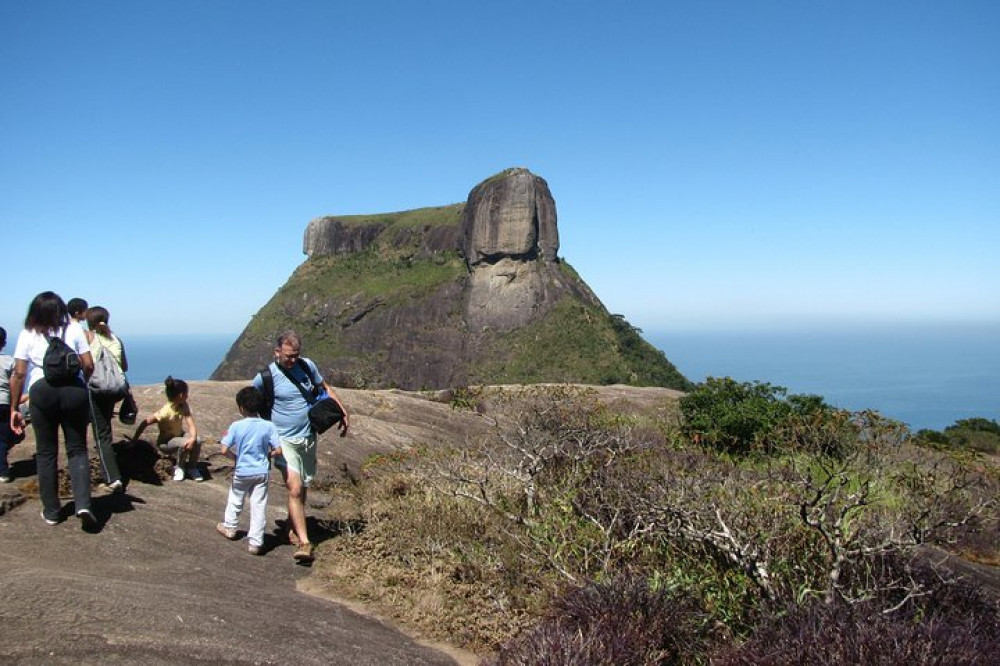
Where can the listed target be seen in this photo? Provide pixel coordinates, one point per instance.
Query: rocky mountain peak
(448, 296)
(511, 215)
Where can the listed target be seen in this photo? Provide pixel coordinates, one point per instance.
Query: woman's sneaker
(178, 473)
(6, 478)
(254, 550)
(195, 475)
(87, 519)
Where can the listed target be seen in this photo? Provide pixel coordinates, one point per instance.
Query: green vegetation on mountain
(577, 343)
(416, 218)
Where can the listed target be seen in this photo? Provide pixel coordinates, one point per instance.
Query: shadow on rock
(139, 460)
(24, 468)
(103, 507)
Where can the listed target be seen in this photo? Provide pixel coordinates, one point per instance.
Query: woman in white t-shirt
(65, 405)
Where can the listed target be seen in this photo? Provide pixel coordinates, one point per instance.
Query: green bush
(742, 417)
(976, 434)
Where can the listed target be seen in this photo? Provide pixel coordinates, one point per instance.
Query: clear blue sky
(714, 164)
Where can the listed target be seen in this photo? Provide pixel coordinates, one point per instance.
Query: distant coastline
(925, 376)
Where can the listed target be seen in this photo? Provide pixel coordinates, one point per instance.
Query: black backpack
(60, 365)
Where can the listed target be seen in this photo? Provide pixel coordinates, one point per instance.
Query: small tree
(741, 417)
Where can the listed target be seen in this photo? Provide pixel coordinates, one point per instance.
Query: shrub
(977, 434)
(741, 417)
(472, 543)
(954, 625)
(623, 622)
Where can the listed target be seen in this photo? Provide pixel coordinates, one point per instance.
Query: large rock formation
(510, 216)
(448, 296)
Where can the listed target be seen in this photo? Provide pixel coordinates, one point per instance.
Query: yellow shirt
(170, 419)
(112, 344)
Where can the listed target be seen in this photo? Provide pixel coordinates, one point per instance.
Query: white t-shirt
(31, 347)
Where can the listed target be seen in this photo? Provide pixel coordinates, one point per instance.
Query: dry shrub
(434, 564)
(954, 625)
(622, 622)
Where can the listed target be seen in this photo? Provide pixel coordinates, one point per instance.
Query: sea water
(925, 376)
(189, 357)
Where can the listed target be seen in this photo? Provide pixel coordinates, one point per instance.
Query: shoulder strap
(267, 385)
(100, 348)
(307, 368)
(309, 397)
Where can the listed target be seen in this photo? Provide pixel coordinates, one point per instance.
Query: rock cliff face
(443, 297)
(510, 216)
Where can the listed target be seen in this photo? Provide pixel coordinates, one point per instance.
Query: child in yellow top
(178, 433)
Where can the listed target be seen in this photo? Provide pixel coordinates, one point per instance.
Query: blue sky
(714, 164)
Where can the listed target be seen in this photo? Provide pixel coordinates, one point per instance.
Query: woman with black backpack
(52, 359)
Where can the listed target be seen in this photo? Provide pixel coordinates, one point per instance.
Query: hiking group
(64, 376)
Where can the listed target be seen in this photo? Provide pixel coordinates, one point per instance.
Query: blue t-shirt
(290, 413)
(251, 439)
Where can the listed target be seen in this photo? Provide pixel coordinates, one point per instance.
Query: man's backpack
(108, 379)
(60, 365)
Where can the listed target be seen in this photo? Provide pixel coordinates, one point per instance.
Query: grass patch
(434, 216)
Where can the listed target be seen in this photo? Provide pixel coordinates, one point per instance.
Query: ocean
(189, 357)
(924, 376)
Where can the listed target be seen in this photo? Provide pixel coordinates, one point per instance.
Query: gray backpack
(108, 379)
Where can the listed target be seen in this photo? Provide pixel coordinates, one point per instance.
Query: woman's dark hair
(97, 320)
(250, 400)
(174, 387)
(46, 312)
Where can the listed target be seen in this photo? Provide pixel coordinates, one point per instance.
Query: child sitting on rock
(251, 442)
(178, 433)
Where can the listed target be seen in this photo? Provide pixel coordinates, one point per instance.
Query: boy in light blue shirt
(251, 442)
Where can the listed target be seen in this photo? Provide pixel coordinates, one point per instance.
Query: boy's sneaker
(304, 553)
(49, 521)
(254, 550)
(87, 519)
(195, 475)
(225, 531)
(6, 478)
(178, 473)
(116, 487)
